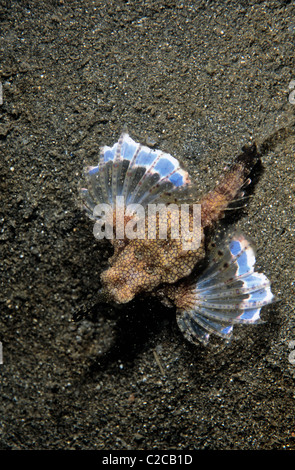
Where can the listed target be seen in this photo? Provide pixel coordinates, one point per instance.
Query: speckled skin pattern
(139, 266)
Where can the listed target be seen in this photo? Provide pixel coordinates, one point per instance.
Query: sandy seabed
(198, 80)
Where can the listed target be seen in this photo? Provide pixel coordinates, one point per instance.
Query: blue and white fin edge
(140, 174)
(229, 292)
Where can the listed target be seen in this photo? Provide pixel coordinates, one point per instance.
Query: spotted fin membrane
(228, 292)
(139, 174)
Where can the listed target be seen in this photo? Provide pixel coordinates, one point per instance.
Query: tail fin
(230, 186)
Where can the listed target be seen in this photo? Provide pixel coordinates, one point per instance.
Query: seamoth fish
(212, 284)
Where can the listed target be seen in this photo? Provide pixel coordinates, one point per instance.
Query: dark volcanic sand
(196, 79)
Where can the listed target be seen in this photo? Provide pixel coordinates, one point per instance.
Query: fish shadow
(139, 325)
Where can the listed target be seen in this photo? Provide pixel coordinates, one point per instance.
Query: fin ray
(228, 292)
